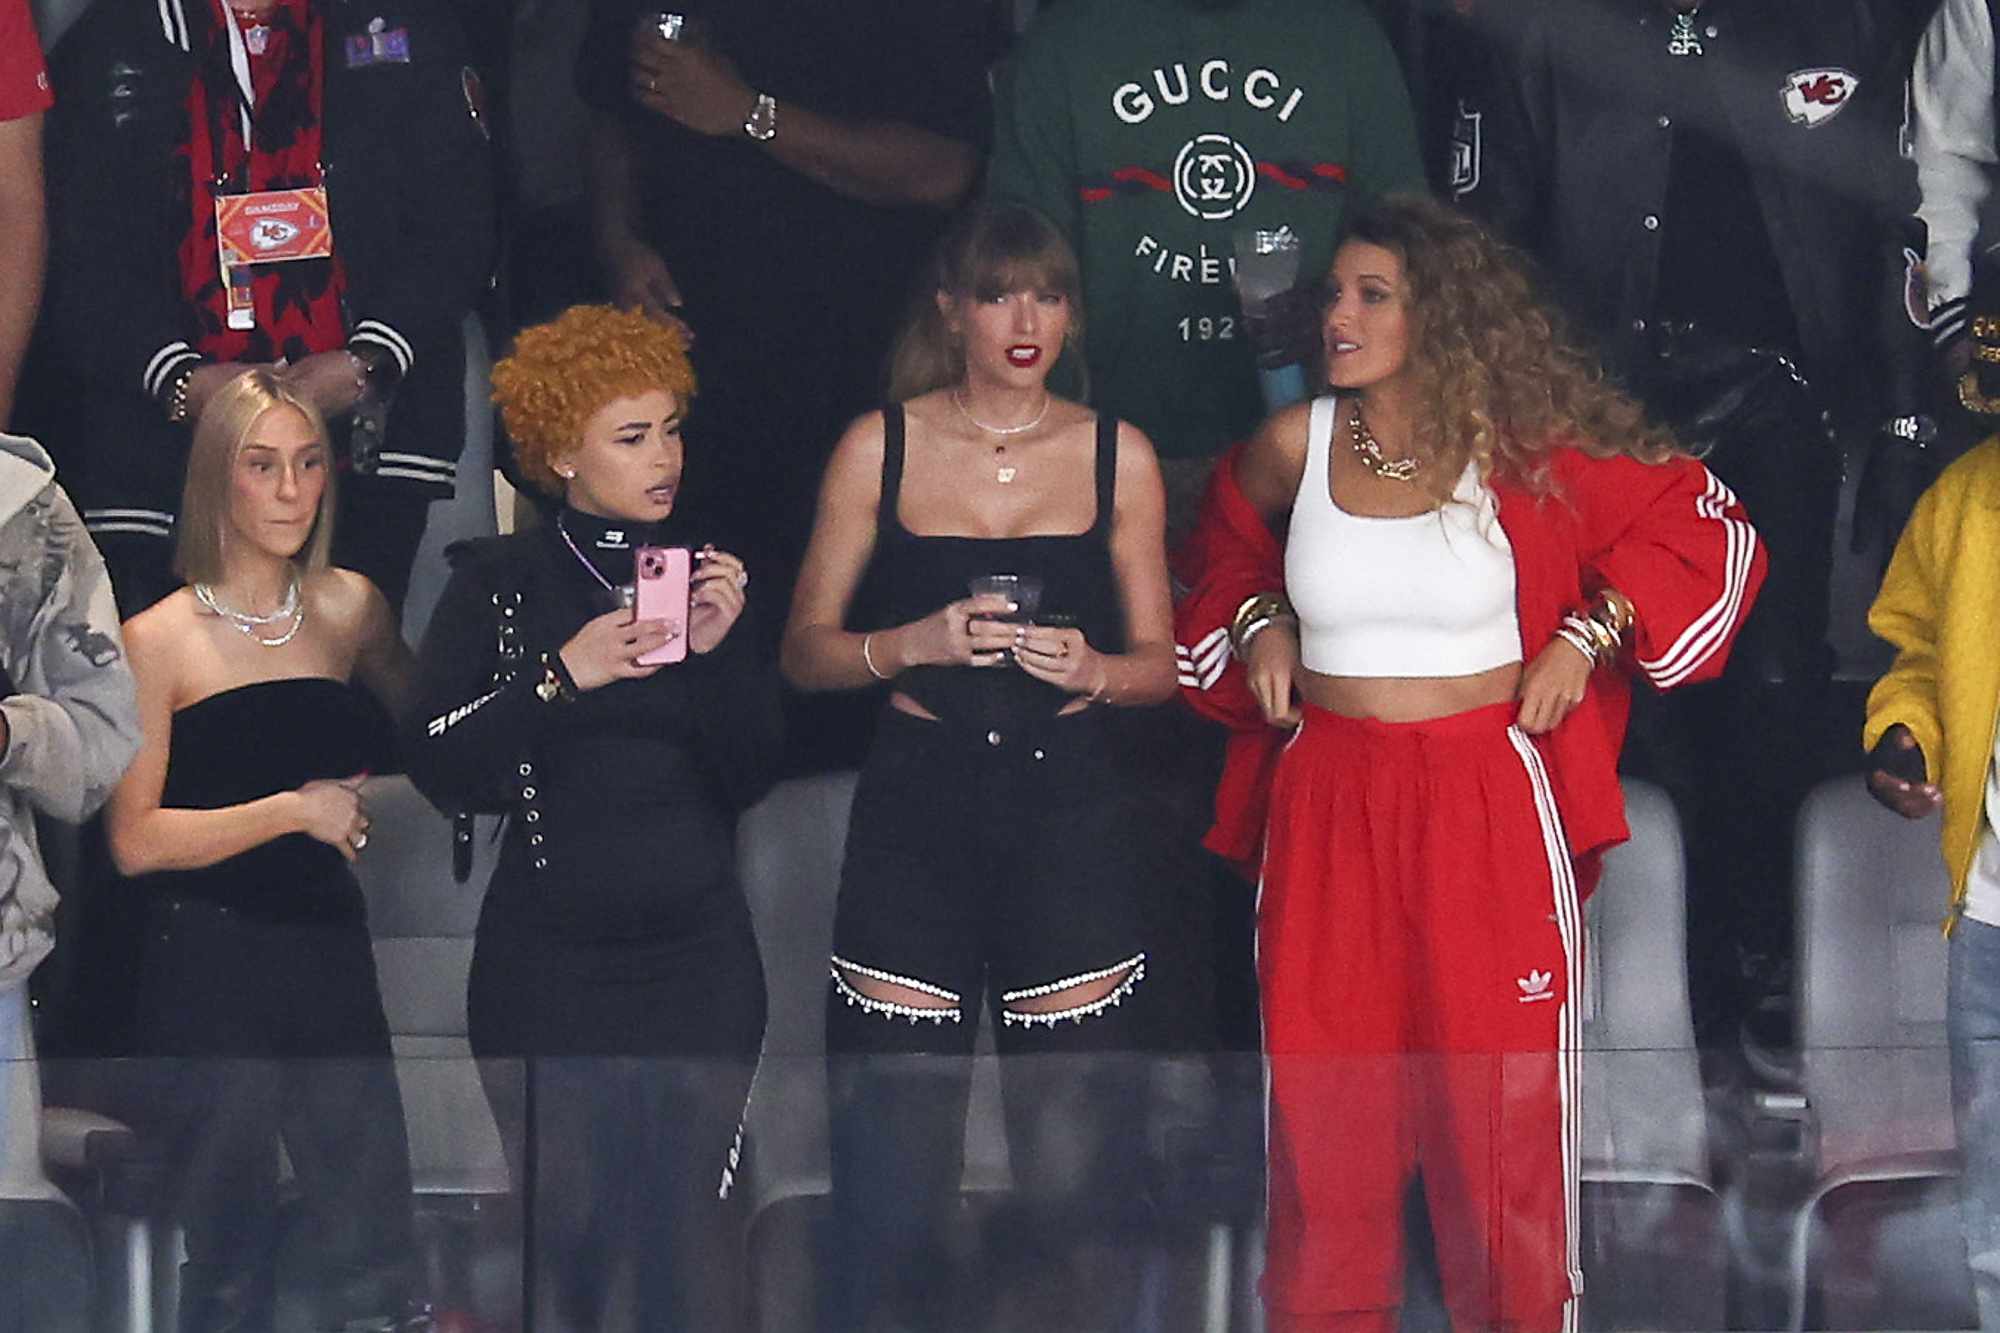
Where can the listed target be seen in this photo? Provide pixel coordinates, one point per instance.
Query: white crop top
(1427, 595)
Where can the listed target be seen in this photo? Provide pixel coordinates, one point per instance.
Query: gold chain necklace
(1003, 471)
(1369, 449)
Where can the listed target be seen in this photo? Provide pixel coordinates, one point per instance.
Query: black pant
(981, 864)
(618, 1073)
(264, 1032)
(1730, 752)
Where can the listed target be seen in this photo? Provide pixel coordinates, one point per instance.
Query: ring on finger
(359, 840)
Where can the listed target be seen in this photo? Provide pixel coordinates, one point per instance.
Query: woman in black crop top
(988, 855)
(239, 817)
(614, 955)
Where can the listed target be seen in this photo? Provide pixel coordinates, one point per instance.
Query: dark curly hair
(1493, 375)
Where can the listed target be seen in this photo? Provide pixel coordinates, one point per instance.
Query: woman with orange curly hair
(614, 925)
(1418, 601)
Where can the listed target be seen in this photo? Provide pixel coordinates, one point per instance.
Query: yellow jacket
(1940, 607)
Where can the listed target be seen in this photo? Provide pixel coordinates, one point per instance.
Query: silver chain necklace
(624, 596)
(293, 608)
(1370, 449)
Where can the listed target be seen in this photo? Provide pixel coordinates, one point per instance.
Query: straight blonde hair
(219, 437)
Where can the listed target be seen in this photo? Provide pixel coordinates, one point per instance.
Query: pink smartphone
(663, 576)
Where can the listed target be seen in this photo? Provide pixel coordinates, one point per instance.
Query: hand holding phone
(662, 578)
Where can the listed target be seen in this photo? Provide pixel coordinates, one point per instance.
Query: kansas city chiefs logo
(270, 233)
(1812, 97)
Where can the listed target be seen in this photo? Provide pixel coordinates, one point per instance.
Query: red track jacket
(1670, 536)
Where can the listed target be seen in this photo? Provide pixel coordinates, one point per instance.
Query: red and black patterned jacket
(410, 190)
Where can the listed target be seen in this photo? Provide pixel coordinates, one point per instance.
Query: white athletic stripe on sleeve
(385, 335)
(1701, 639)
(162, 363)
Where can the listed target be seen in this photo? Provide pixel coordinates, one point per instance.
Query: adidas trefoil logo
(1535, 986)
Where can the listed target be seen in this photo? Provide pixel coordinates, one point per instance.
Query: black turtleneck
(636, 783)
(606, 544)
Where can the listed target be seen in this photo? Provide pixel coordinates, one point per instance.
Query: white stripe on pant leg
(1569, 1042)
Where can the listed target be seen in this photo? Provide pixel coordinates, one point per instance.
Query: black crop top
(912, 575)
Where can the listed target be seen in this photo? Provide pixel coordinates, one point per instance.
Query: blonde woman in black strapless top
(238, 820)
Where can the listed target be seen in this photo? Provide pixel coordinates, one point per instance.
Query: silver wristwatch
(762, 124)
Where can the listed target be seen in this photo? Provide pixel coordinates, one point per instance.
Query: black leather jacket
(1571, 145)
(409, 184)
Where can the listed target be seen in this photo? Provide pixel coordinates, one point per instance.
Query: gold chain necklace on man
(1369, 449)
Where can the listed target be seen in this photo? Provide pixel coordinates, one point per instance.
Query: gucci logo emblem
(1214, 177)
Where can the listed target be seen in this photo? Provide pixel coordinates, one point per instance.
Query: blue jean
(1972, 1026)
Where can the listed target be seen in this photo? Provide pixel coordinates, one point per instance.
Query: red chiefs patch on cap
(1812, 97)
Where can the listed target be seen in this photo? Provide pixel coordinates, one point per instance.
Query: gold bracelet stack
(1598, 631)
(1257, 614)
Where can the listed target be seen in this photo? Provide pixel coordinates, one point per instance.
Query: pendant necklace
(1369, 449)
(1682, 40)
(1003, 471)
(246, 624)
(624, 596)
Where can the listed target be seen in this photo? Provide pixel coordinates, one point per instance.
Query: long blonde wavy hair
(1493, 375)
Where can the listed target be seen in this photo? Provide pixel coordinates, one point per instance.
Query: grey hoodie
(72, 720)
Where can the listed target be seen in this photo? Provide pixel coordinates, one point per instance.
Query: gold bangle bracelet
(1607, 639)
(1600, 636)
(1258, 626)
(1618, 611)
(1259, 607)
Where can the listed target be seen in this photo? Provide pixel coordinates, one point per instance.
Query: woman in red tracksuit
(1435, 583)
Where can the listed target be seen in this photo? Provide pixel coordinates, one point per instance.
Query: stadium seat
(1875, 1243)
(1655, 1250)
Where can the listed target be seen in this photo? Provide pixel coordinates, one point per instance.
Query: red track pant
(1419, 943)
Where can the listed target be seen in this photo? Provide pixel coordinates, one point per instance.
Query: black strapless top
(254, 741)
(912, 575)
